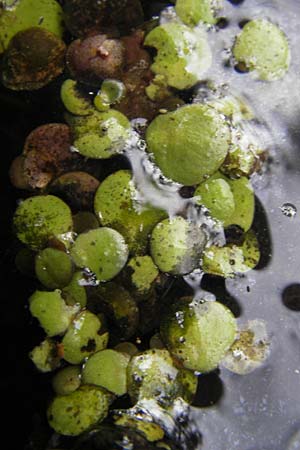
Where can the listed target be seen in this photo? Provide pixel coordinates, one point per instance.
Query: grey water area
(261, 410)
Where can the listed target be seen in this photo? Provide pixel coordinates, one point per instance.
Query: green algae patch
(263, 47)
(183, 54)
(209, 325)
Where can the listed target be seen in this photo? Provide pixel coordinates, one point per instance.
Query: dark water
(259, 411)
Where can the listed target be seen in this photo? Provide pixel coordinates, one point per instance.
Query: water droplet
(180, 318)
(182, 340)
(289, 210)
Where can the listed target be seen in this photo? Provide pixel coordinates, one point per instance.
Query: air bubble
(289, 210)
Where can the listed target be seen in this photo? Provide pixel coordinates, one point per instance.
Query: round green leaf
(176, 246)
(75, 292)
(53, 268)
(263, 47)
(190, 143)
(217, 196)
(67, 380)
(107, 369)
(99, 135)
(37, 219)
(191, 12)
(103, 251)
(198, 333)
(115, 205)
(72, 414)
(73, 101)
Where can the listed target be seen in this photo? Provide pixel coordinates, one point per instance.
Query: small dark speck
(248, 288)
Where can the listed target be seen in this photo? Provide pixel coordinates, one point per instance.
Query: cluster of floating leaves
(104, 237)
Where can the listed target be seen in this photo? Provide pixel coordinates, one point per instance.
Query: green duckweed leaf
(103, 251)
(46, 14)
(53, 314)
(143, 423)
(67, 380)
(39, 218)
(191, 12)
(75, 292)
(107, 369)
(99, 135)
(263, 47)
(177, 245)
(209, 324)
(53, 268)
(115, 205)
(74, 413)
(72, 99)
(183, 55)
(217, 196)
(82, 338)
(153, 375)
(45, 356)
(189, 144)
(231, 259)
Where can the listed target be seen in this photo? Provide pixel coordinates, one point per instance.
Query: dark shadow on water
(217, 286)
(291, 297)
(262, 230)
(210, 390)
